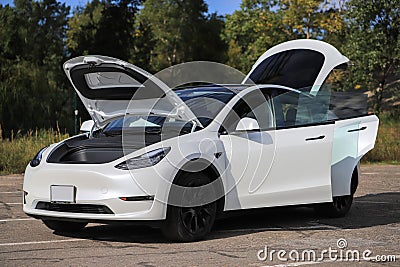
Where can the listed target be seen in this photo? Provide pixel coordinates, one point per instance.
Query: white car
(181, 157)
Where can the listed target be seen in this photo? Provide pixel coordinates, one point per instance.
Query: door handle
(357, 130)
(316, 138)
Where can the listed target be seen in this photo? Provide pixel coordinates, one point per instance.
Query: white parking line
(16, 192)
(373, 202)
(40, 242)
(298, 263)
(310, 227)
(13, 203)
(15, 220)
(249, 229)
(314, 227)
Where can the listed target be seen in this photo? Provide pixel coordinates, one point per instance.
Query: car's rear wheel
(190, 223)
(339, 207)
(64, 226)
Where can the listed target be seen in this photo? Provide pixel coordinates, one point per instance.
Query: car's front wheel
(64, 226)
(339, 207)
(190, 223)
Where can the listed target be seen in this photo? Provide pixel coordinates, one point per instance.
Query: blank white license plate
(62, 193)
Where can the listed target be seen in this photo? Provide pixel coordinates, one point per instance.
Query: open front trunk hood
(111, 88)
(298, 64)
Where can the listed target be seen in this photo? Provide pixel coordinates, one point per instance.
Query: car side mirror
(87, 126)
(247, 124)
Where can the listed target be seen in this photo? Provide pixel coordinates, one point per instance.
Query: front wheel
(336, 209)
(187, 223)
(64, 226)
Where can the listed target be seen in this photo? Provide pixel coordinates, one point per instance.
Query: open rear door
(301, 171)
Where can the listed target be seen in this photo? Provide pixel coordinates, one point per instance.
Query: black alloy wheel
(339, 207)
(191, 223)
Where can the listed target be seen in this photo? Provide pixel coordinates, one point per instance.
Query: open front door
(301, 171)
(288, 160)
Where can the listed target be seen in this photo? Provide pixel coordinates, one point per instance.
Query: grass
(16, 152)
(387, 146)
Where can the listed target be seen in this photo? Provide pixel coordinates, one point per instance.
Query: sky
(222, 7)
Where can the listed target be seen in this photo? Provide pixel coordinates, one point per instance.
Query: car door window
(294, 108)
(254, 105)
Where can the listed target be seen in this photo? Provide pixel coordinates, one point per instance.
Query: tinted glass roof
(297, 68)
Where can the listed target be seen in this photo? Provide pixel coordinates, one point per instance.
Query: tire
(187, 224)
(336, 209)
(64, 226)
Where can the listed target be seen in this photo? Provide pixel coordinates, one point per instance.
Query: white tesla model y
(181, 156)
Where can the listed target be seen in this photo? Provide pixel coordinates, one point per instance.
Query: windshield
(206, 102)
(150, 124)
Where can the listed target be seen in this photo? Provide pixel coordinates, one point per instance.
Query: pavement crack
(8, 207)
(226, 254)
(111, 245)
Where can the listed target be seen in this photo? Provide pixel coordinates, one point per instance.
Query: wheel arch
(210, 170)
(344, 177)
(355, 179)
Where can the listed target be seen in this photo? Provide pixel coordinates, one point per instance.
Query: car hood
(111, 88)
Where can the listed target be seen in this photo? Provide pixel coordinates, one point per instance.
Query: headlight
(37, 158)
(146, 160)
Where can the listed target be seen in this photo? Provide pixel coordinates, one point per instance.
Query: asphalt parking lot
(373, 224)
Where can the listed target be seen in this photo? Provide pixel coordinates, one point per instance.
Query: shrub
(16, 152)
(387, 146)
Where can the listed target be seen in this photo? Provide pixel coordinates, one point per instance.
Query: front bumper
(99, 185)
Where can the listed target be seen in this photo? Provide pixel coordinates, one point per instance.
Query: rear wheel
(64, 226)
(336, 209)
(187, 223)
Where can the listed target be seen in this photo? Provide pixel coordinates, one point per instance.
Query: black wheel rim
(342, 202)
(197, 219)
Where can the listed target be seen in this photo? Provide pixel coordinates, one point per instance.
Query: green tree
(182, 31)
(310, 18)
(251, 30)
(34, 30)
(32, 86)
(374, 46)
(143, 46)
(103, 27)
(261, 24)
